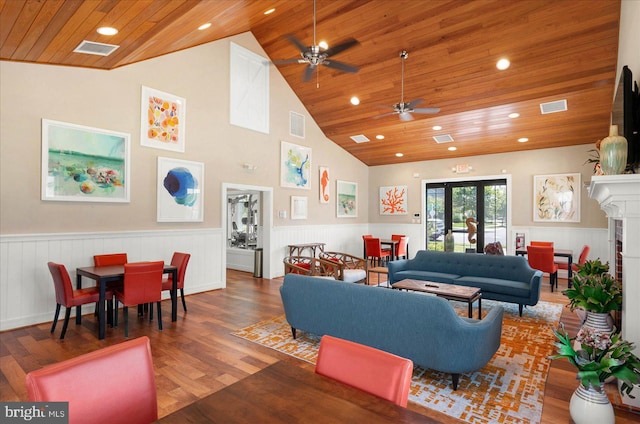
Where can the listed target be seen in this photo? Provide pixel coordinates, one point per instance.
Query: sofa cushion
(437, 277)
(354, 275)
(494, 285)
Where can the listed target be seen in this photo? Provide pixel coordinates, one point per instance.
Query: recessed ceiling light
(436, 128)
(107, 31)
(523, 140)
(355, 101)
(323, 45)
(503, 64)
(380, 137)
(514, 115)
(399, 155)
(270, 11)
(204, 26)
(452, 149)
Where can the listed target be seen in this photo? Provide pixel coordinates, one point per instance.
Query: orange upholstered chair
(180, 260)
(372, 370)
(582, 259)
(374, 251)
(109, 385)
(68, 297)
(541, 258)
(401, 247)
(542, 243)
(142, 284)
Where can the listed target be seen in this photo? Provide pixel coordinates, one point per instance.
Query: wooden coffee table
(447, 291)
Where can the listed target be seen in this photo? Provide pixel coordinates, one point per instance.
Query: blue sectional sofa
(504, 278)
(423, 328)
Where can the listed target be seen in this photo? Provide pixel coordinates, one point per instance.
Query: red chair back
(541, 258)
(373, 247)
(110, 259)
(142, 283)
(401, 247)
(583, 255)
(372, 370)
(180, 260)
(62, 284)
(105, 386)
(542, 243)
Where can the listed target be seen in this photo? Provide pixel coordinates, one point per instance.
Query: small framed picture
(347, 199)
(162, 120)
(298, 207)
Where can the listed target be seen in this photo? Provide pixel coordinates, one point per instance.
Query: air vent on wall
(296, 124)
(553, 107)
(445, 138)
(91, 47)
(360, 138)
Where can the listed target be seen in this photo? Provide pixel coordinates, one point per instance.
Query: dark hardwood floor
(197, 355)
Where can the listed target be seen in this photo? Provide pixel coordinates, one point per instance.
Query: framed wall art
(180, 190)
(556, 198)
(295, 166)
(393, 200)
(298, 207)
(162, 120)
(347, 199)
(325, 187)
(84, 164)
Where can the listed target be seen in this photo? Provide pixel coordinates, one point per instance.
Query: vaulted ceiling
(559, 50)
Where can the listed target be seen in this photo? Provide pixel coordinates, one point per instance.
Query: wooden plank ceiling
(559, 50)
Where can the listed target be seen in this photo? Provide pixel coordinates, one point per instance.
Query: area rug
(509, 389)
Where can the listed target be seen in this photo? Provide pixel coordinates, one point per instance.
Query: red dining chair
(179, 260)
(372, 370)
(110, 259)
(541, 258)
(542, 243)
(401, 247)
(364, 244)
(582, 259)
(142, 284)
(374, 251)
(68, 297)
(109, 385)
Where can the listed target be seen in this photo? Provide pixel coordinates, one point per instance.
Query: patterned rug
(509, 389)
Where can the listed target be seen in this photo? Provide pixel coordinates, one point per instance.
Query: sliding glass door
(474, 211)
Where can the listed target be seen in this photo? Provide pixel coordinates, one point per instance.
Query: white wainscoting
(26, 289)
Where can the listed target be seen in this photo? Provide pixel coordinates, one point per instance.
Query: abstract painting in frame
(295, 166)
(180, 190)
(84, 164)
(162, 120)
(347, 199)
(556, 198)
(325, 187)
(298, 207)
(393, 200)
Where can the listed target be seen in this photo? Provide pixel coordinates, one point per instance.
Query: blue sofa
(503, 278)
(423, 328)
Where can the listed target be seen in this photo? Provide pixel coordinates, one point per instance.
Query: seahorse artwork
(324, 185)
(472, 227)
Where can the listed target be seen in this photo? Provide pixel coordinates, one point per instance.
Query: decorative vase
(449, 242)
(591, 406)
(613, 153)
(599, 322)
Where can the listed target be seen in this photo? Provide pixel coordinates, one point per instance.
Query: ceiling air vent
(296, 124)
(360, 138)
(445, 138)
(553, 107)
(91, 47)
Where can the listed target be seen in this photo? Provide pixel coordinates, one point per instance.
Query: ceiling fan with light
(315, 55)
(405, 109)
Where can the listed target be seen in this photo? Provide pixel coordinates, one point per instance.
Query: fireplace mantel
(618, 195)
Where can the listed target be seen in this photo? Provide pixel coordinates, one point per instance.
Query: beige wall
(111, 100)
(521, 165)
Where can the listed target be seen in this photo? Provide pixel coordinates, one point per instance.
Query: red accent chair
(68, 297)
(541, 258)
(110, 385)
(372, 370)
(582, 259)
(374, 251)
(142, 284)
(180, 260)
(542, 243)
(110, 259)
(401, 247)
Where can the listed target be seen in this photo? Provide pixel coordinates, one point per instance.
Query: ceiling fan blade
(288, 61)
(414, 103)
(426, 110)
(341, 66)
(341, 47)
(296, 42)
(308, 73)
(405, 116)
(383, 115)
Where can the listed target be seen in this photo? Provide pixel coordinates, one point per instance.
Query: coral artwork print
(556, 198)
(393, 200)
(162, 120)
(295, 166)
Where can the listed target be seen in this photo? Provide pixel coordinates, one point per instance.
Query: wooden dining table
(286, 393)
(393, 244)
(104, 274)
